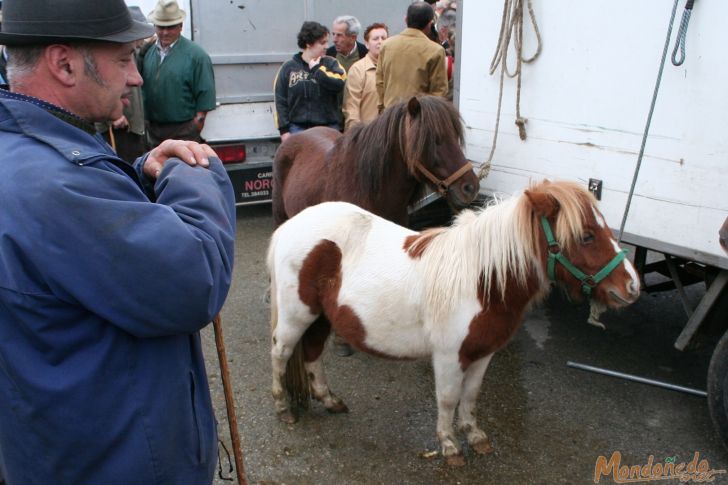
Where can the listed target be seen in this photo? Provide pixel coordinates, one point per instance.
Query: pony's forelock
(574, 202)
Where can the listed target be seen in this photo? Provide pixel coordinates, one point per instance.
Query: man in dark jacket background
(107, 271)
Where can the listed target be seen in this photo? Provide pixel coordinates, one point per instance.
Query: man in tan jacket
(410, 63)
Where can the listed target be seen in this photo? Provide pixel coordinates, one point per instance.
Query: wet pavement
(548, 423)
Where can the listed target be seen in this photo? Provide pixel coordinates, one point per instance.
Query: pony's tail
(296, 378)
(297, 384)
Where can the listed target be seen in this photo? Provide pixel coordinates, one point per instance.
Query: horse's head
(433, 149)
(723, 234)
(577, 245)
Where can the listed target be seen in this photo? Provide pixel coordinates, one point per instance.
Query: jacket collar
(410, 32)
(368, 63)
(71, 136)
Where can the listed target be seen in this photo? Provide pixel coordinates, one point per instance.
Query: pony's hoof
(455, 460)
(287, 417)
(338, 407)
(342, 347)
(483, 448)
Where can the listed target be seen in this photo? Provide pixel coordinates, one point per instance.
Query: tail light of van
(230, 153)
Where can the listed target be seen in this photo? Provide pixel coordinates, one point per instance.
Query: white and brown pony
(456, 294)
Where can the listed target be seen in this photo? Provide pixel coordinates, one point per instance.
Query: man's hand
(190, 152)
(285, 136)
(313, 62)
(120, 123)
(199, 120)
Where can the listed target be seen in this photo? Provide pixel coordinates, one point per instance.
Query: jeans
(296, 128)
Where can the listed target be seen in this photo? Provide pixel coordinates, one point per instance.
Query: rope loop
(511, 31)
(680, 39)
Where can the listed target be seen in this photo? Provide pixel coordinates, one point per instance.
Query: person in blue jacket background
(107, 270)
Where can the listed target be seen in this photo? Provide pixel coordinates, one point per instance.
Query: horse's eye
(587, 238)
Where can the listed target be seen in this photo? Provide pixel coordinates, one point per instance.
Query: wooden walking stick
(229, 402)
(112, 140)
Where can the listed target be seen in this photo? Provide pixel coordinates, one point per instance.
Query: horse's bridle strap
(587, 281)
(443, 185)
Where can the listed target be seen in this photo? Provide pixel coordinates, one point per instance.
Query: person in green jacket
(179, 83)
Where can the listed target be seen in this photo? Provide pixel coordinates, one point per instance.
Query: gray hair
(21, 62)
(353, 26)
(448, 19)
(23, 59)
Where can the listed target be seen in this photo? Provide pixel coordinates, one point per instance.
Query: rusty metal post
(229, 401)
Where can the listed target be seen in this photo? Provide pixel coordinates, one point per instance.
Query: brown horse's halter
(443, 185)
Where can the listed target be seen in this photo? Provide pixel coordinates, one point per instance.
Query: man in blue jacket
(107, 271)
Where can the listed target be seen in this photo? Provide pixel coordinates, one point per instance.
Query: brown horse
(381, 166)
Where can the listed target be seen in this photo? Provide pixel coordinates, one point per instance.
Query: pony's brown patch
(319, 283)
(492, 328)
(321, 270)
(416, 244)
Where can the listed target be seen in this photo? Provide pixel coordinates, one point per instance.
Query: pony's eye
(587, 238)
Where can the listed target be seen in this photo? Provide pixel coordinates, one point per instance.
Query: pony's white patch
(600, 220)
(628, 266)
(537, 327)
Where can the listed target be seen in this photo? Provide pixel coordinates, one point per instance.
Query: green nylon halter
(587, 282)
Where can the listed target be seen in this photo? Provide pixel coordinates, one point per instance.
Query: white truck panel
(587, 98)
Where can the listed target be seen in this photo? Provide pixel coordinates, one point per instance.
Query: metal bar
(431, 197)
(642, 380)
(678, 285)
(702, 310)
(229, 401)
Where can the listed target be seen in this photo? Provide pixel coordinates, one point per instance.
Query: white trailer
(586, 99)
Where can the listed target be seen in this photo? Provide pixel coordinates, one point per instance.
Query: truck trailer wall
(586, 99)
(248, 40)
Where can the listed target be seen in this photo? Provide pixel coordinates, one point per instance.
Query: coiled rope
(511, 30)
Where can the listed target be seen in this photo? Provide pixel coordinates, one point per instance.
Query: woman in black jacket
(306, 87)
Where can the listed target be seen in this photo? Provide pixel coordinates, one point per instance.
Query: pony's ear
(413, 106)
(543, 203)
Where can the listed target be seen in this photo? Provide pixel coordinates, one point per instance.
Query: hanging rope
(681, 34)
(649, 121)
(511, 28)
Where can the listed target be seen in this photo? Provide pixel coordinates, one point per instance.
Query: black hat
(38, 22)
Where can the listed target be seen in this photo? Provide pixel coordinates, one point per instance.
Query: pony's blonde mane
(497, 243)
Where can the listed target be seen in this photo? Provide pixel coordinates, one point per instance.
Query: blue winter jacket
(105, 282)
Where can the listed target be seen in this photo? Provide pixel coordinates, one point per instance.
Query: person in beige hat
(179, 83)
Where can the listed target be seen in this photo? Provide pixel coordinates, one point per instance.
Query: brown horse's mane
(373, 146)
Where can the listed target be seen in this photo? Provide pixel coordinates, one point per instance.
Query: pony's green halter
(587, 281)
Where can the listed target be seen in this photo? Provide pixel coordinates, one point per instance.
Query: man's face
(343, 43)
(168, 35)
(109, 74)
